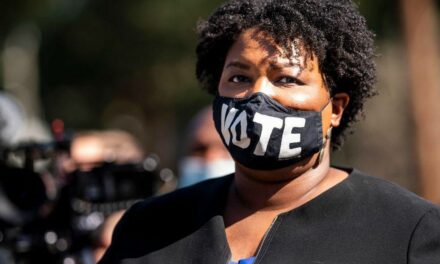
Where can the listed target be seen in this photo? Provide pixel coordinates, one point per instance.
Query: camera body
(38, 229)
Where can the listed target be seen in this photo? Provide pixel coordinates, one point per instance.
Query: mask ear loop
(324, 142)
(327, 137)
(321, 152)
(329, 130)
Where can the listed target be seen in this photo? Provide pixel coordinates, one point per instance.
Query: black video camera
(37, 229)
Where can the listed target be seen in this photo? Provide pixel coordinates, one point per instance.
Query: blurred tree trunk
(421, 34)
(20, 67)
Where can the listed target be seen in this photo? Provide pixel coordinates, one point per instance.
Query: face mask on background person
(196, 169)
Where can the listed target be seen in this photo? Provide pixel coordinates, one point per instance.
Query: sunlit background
(130, 65)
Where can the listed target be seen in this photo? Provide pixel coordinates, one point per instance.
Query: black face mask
(262, 134)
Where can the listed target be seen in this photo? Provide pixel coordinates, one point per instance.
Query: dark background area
(130, 65)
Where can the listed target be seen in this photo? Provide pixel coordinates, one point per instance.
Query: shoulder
(396, 214)
(191, 196)
(185, 202)
(388, 196)
(159, 221)
(424, 247)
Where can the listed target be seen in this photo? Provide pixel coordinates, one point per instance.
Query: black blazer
(362, 220)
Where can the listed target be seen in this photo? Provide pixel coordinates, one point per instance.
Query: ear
(339, 103)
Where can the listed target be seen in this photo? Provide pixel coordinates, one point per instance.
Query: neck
(256, 194)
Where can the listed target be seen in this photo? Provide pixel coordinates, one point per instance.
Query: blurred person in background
(205, 155)
(91, 149)
(69, 210)
(289, 78)
(103, 235)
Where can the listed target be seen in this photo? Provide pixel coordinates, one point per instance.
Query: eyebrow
(273, 65)
(239, 65)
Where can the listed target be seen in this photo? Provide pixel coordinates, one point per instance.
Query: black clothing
(362, 220)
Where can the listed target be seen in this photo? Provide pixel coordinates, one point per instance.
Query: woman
(289, 77)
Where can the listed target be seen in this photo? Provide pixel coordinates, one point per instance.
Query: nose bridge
(262, 85)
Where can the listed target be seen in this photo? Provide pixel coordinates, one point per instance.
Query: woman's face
(255, 63)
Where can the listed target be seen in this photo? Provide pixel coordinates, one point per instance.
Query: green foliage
(383, 17)
(103, 58)
(142, 51)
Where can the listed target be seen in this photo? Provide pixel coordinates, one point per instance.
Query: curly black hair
(332, 30)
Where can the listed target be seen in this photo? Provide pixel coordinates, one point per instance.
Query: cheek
(295, 100)
(304, 98)
(221, 89)
(224, 89)
(222, 86)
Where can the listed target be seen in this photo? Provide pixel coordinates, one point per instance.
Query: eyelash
(290, 80)
(242, 79)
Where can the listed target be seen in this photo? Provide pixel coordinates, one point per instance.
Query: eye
(239, 79)
(286, 80)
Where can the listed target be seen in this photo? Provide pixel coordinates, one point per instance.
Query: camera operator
(91, 149)
(97, 176)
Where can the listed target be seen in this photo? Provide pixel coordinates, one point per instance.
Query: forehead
(204, 130)
(253, 43)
